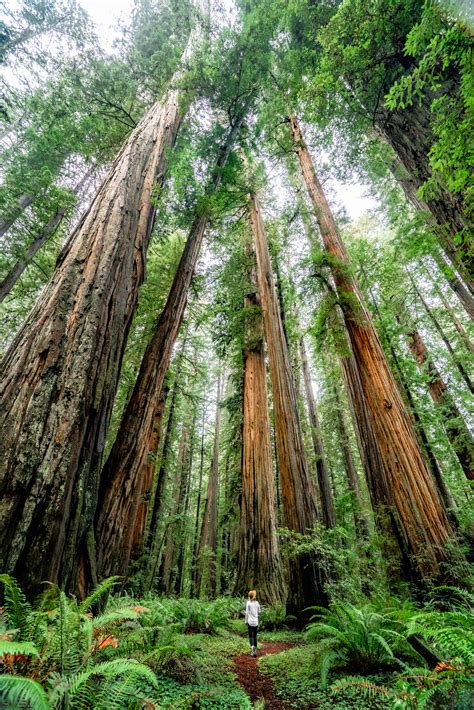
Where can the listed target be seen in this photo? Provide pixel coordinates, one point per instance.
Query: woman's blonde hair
(252, 594)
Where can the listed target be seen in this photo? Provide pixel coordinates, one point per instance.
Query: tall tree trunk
(61, 371)
(426, 528)
(456, 429)
(24, 201)
(443, 489)
(154, 530)
(43, 235)
(195, 559)
(426, 447)
(463, 336)
(208, 539)
(259, 562)
(128, 456)
(328, 513)
(177, 577)
(349, 465)
(458, 287)
(408, 131)
(171, 538)
(444, 338)
(297, 489)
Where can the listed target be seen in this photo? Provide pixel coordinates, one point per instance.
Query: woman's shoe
(254, 651)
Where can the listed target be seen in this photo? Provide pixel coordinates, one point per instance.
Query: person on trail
(252, 610)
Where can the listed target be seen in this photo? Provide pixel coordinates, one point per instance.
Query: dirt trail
(256, 684)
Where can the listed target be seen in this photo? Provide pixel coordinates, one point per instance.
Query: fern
(99, 591)
(18, 692)
(16, 606)
(20, 648)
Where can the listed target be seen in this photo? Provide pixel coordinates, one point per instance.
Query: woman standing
(252, 610)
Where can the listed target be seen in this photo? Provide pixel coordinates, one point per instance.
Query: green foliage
(16, 608)
(17, 692)
(360, 638)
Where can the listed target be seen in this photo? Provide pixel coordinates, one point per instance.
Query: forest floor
(257, 685)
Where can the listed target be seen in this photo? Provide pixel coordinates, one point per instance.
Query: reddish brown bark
(444, 338)
(324, 483)
(456, 429)
(61, 371)
(423, 520)
(129, 454)
(167, 576)
(259, 564)
(349, 465)
(208, 539)
(297, 488)
(456, 284)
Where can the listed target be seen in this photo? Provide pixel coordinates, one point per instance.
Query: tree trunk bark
(297, 489)
(208, 541)
(154, 537)
(195, 559)
(456, 429)
(444, 338)
(61, 371)
(259, 562)
(47, 231)
(350, 467)
(168, 576)
(129, 453)
(457, 286)
(425, 526)
(24, 201)
(328, 513)
(409, 133)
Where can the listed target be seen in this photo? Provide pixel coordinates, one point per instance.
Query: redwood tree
(297, 488)
(423, 520)
(259, 564)
(127, 460)
(60, 373)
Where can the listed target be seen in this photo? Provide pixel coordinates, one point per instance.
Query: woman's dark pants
(252, 635)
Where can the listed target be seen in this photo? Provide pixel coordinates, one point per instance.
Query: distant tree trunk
(61, 371)
(328, 513)
(129, 453)
(458, 287)
(24, 201)
(463, 336)
(195, 559)
(177, 577)
(208, 540)
(154, 532)
(444, 338)
(297, 488)
(456, 429)
(424, 523)
(171, 538)
(349, 466)
(259, 563)
(43, 235)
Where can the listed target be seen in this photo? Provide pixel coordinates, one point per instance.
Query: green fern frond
(98, 592)
(18, 692)
(13, 648)
(16, 606)
(367, 688)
